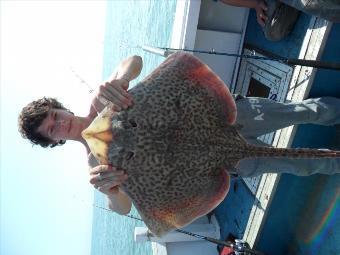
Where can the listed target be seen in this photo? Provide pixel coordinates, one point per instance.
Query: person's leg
(303, 167)
(281, 20)
(326, 9)
(258, 116)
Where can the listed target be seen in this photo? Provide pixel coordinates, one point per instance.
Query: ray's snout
(99, 136)
(104, 136)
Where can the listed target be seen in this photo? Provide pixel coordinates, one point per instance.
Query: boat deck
(289, 214)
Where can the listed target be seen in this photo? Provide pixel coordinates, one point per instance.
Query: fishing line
(82, 81)
(125, 44)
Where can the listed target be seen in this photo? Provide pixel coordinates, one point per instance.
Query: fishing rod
(240, 247)
(289, 61)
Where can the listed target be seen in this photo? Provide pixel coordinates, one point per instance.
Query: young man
(47, 123)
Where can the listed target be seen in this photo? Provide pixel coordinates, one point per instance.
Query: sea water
(129, 25)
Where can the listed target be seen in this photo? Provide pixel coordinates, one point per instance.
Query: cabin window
(257, 89)
(263, 78)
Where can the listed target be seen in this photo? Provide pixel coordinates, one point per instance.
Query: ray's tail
(257, 151)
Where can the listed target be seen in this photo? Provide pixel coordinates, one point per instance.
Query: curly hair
(31, 118)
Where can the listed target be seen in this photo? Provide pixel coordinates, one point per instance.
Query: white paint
(175, 243)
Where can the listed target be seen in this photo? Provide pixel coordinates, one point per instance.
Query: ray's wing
(173, 213)
(189, 67)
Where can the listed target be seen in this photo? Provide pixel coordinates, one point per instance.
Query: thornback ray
(178, 143)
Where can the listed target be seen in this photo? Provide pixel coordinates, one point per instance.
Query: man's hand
(114, 92)
(261, 9)
(107, 179)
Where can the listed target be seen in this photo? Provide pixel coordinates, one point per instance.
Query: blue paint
(279, 226)
(300, 203)
(319, 136)
(233, 213)
(327, 82)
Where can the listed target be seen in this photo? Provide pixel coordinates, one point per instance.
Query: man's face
(58, 125)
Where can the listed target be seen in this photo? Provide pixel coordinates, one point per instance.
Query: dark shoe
(281, 20)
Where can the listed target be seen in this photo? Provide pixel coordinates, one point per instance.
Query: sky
(45, 193)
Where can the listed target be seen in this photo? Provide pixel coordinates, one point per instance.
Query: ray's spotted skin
(177, 143)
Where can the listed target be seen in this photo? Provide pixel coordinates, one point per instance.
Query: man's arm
(128, 69)
(259, 6)
(115, 89)
(107, 179)
(119, 203)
